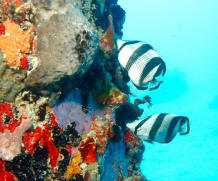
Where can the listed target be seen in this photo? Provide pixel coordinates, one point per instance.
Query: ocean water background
(185, 33)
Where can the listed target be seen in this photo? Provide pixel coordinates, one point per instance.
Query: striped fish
(161, 128)
(143, 64)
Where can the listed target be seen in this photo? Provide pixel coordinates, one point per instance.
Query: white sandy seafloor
(185, 33)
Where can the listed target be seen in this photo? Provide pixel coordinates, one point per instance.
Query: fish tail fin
(185, 121)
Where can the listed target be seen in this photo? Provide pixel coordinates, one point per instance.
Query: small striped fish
(161, 128)
(142, 62)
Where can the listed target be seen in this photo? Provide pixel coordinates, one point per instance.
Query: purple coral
(70, 110)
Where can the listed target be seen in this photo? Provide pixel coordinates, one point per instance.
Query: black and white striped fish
(143, 64)
(161, 128)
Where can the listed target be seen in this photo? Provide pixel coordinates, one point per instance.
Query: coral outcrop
(64, 98)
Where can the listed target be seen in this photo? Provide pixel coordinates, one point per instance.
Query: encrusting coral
(74, 168)
(102, 132)
(4, 175)
(11, 139)
(116, 97)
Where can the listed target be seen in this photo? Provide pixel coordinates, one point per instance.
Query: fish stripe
(156, 125)
(138, 52)
(163, 66)
(173, 123)
(140, 124)
(150, 65)
(160, 70)
(127, 43)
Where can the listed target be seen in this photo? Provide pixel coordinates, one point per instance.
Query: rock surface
(66, 41)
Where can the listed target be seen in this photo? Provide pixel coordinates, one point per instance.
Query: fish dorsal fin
(120, 43)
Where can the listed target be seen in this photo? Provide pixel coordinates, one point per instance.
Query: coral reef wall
(63, 93)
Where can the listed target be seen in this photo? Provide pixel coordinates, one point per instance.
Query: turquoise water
(185, 33)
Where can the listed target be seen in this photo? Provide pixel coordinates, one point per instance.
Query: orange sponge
(15, 41)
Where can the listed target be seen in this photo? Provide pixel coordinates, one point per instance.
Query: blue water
(185, 33)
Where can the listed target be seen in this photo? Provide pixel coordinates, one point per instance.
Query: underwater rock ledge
(61, 84)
